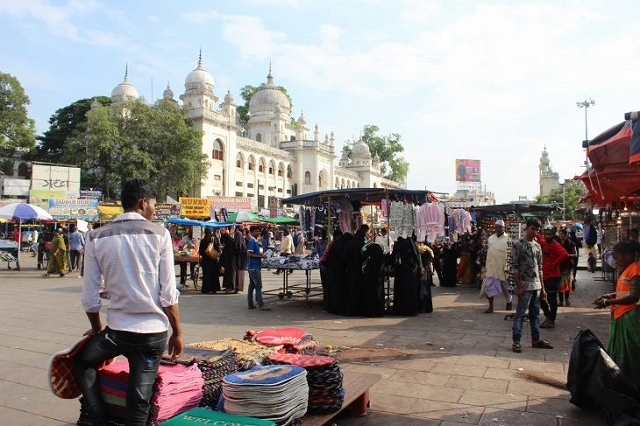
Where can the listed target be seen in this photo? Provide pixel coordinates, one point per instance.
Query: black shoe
(251, 307)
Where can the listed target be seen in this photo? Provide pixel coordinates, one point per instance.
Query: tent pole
(329, 230)
(19, 241)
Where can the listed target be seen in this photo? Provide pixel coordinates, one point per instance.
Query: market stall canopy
(24, 211)
(282, 220)
(243, 217)
(214, 224)
(517, 209)
(613, 174)
(109, 212)
(362, 195)
(185, 222)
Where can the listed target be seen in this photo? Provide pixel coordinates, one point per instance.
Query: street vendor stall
(340, 209)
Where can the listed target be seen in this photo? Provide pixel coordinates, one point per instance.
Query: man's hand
(175, 347)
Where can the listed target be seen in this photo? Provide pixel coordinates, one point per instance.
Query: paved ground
(460, 368)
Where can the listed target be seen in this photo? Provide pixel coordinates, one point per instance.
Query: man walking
(135, 257)
(553, 255)
(76, 246)
(254, 264)
(526, 269)
(496, 277)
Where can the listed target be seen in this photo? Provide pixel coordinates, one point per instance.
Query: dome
(124, 91)
(199, 79)
(168, 93)
(361, 149)
(228, 98)
(269, 99)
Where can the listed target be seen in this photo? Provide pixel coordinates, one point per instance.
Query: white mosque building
(268, 158)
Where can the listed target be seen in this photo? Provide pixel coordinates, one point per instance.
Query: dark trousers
(550, 306)
(75, 257)
(183, 271)
(143, 351)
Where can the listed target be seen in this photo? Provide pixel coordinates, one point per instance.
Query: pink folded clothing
(177, 388)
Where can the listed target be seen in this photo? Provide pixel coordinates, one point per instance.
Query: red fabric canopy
(613, 150)
(611, 176)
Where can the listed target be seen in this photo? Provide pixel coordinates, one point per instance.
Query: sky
(495, 81)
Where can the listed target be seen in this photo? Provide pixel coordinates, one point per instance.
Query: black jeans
(550, 306)
(144, 352)
(75, 257)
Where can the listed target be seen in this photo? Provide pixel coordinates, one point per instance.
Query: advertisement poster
(74, 208)
(41, 197)
(194, 208)
(468, 170)
(56, 178)
(167, 211)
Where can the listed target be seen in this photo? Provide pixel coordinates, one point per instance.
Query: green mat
(201, 416)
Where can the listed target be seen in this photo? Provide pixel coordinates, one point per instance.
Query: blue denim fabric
(530, 300)
(143, 351)
(255, 283)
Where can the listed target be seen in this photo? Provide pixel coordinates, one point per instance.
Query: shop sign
(95, 193)
(232, 204)
(56, 178)
(166, 210)
(194, 207)
(41, 197)
(74, 208)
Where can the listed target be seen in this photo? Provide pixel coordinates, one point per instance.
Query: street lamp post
(585, 104)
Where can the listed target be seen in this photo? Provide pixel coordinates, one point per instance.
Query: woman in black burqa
(210, 267)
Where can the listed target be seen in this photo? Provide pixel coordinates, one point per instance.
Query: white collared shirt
(135, 257)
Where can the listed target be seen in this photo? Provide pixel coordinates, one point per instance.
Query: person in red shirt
(553, 254)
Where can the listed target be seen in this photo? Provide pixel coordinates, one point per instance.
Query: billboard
(468, 170)
(56, 178)
(194, 207)
(74, 208)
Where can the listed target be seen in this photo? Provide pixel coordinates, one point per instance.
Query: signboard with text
(166, 210)
(41, 197)
(194, 207)
(56, 178)
(468, 170)
(232, 204)
(74, 208)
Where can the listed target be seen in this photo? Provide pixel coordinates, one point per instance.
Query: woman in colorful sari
(624, 333)
(58, 261)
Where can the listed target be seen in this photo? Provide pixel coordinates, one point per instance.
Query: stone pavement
(459, 368)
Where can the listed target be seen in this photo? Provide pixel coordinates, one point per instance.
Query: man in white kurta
(495, 281)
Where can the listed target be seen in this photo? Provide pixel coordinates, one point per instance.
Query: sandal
(45, 275)
(541, 344)
(516, 347)
(488, 311)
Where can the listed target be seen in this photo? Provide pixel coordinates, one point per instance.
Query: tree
(247, 93)
(567, 198)
(386, 148)
(137, 140)
(66, 123)
(17, 130)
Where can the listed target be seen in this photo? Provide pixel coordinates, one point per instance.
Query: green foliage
(17, 130)
(568, 197)
(387, 148)
(153, 142)
(68, 122)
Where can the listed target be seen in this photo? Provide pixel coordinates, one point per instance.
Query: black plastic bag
(597, 383)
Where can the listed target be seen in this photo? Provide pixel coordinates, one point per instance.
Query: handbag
(212, 252)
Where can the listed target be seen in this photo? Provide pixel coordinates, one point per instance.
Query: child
(591, 262)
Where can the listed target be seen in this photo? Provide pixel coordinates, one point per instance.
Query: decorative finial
(200, 59)
(270, 75)
(126, 73)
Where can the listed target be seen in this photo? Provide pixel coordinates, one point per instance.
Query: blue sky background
(494, 81)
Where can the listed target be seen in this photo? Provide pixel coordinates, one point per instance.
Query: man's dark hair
(364, 227)
(254, 228)
(624, 249)
(135, 190)
(337, 233)
(534, 221)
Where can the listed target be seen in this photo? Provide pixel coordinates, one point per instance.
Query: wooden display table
(356, 386)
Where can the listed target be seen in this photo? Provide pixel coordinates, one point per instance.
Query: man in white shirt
(495, 281)
(135, 257)
(383, 240)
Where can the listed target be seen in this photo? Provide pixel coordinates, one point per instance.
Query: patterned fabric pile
(214, 365)
(249, 354)
(274, 392)
(324, 377)
(201, 416)
(291, 262)
(290, 340)
(177, 389)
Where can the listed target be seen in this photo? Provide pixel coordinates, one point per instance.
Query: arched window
(337, 183)
(281, 170)
(23, 170)
(261, 165)
(307, 178)
(239, 161)
(217, 153)
(271, 169)
(289, 172)
(252, 163)
(320, 180)
(258, 137)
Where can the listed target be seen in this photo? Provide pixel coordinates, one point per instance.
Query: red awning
(613, 150)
